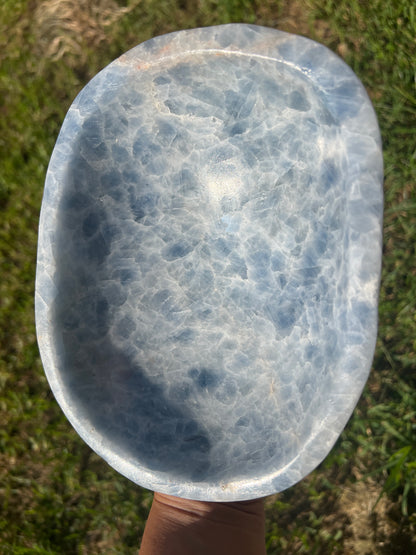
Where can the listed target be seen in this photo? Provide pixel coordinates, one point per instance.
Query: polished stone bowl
(209, 260)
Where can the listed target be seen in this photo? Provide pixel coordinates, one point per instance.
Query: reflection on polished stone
(209, 259)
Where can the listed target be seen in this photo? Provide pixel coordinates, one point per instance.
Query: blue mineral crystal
(209, 260)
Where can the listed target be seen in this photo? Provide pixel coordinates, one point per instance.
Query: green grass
(56, 496)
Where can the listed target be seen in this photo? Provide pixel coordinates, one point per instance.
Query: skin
(184, 527)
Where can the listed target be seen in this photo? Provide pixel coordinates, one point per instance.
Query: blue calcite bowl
(209, 260)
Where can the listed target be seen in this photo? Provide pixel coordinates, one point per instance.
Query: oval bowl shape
(209, 260)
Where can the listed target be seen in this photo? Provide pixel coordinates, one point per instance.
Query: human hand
(184, 527)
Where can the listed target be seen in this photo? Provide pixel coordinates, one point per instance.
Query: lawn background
(56, 496)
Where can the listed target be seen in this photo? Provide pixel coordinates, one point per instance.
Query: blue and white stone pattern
(209, 260)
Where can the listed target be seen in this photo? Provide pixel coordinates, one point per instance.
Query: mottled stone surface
(209, 258)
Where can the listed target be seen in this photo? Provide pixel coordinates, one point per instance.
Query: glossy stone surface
(209, 259)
